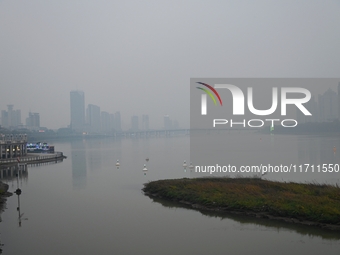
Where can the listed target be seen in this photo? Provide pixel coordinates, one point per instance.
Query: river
(86, 205)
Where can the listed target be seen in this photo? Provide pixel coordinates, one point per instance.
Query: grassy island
(312, 204)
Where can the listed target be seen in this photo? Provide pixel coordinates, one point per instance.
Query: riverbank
(309, 204)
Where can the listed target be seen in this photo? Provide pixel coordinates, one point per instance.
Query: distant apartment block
(10, 118)
(33, 121)
(112, 122)
(326, 109)
(167, 122)
(105, 122)
(77, 107)
(93, 118)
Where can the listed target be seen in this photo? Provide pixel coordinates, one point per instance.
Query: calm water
(85, 205)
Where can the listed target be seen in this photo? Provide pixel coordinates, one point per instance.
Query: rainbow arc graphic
(204, 97)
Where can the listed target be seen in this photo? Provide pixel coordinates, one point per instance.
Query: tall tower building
(4, 119)
(93, 118)
(10, 115)
(33, 121)
(112, 122)
(167, 122)
(105, 122)
(10, 118)
(77, 106)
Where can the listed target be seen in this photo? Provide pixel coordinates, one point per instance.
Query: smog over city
(138, 57)
(169, 127)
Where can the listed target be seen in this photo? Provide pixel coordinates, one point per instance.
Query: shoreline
(265, 212)
(260, 215)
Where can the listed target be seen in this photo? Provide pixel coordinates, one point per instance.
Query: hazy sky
(137, 57)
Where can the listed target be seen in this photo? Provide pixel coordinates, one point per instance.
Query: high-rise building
(33, 121)
(167, 122)
(105, 122)
(10, 115)
(77, 106)
(10, 118)
(4, 119)
(93, 118)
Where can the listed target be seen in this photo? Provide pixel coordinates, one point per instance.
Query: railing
(18, 138)
(32, 158)
(12, 141)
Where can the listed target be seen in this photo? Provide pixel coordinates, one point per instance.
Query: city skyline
(88, 119)
(325, 107)
(125, 61)
(231, 106)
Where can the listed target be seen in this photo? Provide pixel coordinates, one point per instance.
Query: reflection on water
(79, 166)
(85, 205)
(254, 149)
(10, 175)
(20, 214)
(14, 176)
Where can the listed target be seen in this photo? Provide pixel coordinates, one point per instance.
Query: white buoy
(145, 169)
(117, 164)
(191, 166)
(185, 164)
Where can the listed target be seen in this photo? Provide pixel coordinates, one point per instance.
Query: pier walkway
(33, 158)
